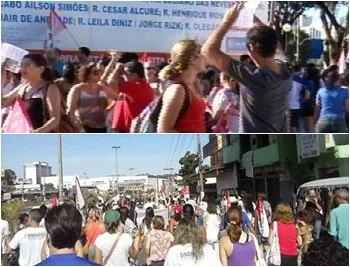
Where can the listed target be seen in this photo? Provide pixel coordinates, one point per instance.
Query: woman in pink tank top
(183, 106)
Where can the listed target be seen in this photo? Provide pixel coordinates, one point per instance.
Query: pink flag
(18, 120)
(57, 26)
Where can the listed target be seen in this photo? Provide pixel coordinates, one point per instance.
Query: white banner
(148, 26)
(160, 212)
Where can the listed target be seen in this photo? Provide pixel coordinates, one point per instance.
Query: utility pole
(60, 169)
(200, 161)
(170, 180)
(132, 178)
(116, 188)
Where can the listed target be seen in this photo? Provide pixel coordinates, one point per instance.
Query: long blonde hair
(190, 233)
(182, 55)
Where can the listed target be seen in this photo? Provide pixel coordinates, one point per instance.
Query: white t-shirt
(30, 242)
(222, 101)
(5, 230)
(181, 255)
(294, 95)
(120, 254)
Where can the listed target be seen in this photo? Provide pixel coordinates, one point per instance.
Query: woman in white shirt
(125, 246)
(190, 249)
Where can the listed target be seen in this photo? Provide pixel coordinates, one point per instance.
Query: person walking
(114, 247)
(339, 218)
(30, 240)
(189, 248)
(238, 247)
(63, 225)
(264, 88)
(183, 107)
(285, 227)
(158, 243)
(212, 226)
(42, 98)
(94, 228)
(305, 221)
(332, 102)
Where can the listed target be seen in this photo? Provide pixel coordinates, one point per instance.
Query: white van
(331, 184)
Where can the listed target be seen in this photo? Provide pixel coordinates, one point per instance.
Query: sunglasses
(150, 68)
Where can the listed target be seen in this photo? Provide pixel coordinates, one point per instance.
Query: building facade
(274, 164)
(35, 171)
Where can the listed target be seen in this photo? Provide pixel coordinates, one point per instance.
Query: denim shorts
(331, 125)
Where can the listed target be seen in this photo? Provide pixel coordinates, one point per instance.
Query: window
(263, 140)
(228, 140)
(245, 143)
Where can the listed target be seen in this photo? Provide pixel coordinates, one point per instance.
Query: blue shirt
(339, 224)
(58, 67)
(246, 222)
(332, 100)
(66, 260)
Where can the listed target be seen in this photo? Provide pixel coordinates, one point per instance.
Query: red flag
(54, 201)
(57, 26)
(144, 57)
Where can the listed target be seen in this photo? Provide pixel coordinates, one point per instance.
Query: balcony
(266, 155)
(232, 153)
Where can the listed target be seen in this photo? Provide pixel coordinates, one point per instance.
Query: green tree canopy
(189, 162)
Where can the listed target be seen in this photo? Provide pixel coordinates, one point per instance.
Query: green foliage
(10, 176)
(90, 198)
(188, 163)
(11, 210)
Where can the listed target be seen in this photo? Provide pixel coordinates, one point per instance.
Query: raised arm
(115, 57)
(212, 47)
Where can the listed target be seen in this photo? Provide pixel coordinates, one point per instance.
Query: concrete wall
(226, 180)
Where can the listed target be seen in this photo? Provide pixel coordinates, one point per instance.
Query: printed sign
(309, 146)
(133, 26)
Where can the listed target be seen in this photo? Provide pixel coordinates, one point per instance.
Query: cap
(111, 216)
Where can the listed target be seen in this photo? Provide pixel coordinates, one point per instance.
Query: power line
(177, 142)
(169, 153)
(189, 146)
(182, 146)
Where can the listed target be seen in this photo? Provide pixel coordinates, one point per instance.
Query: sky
(93, 154)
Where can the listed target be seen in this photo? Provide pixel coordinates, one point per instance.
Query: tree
(10, 176)
(287, 12)
(49, 186)
(337, 29)
(188, 163)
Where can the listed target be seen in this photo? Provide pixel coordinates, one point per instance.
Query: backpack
(147, 121)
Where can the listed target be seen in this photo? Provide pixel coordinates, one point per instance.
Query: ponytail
(170, 72)
(234, 232)
(235, 220)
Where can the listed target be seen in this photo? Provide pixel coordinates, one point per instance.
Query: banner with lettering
(134, 26)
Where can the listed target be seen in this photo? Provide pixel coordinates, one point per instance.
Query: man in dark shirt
(264, 87)
(63, 225)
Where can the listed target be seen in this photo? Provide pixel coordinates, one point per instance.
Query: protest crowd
(200, 90)
(240, 229)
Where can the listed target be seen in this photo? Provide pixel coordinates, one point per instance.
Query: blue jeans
(331, 125)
